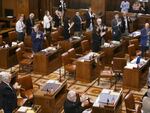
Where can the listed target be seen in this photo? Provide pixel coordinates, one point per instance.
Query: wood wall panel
(1, 8)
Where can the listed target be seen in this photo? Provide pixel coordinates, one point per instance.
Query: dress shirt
(46, 22)
(20, 26)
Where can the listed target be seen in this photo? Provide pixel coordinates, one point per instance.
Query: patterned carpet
(90, 89)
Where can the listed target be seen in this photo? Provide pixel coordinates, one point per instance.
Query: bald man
(145, 38)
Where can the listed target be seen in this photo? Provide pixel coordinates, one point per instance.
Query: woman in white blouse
(47, 22)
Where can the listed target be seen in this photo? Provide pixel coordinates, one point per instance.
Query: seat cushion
(26, 62)
(70, 68)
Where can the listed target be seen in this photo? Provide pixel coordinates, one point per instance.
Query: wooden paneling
(0, 8)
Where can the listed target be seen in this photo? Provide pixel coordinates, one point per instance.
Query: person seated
(73, 104)
(8, 97)
(136, 7)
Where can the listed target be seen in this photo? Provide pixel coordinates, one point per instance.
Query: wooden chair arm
(131, 110)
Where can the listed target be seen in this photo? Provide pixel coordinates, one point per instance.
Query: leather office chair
(26, 86)
(131, 51)
(131, 107)
(24, 63)
(65, 45)
(2, 43)
(56, 36)
(12, 36)
(88, 35)
(72, 54)
(135, 42)
(85, 46)
(68, 65)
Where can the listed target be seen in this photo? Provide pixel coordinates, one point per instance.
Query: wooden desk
(47, 62)
(8, 21)
(8, 57)
(51, 103)
(135, 78)
(5, 31)
(102, 107)
(86, 68)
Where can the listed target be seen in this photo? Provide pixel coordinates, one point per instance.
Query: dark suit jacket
(73, 107)
(144, 37)
(116, 30)
(88, 19)
(57, 21)
(123, 24)
(8, 100)
(37, 43)
(77, 24)
(29, 25)
(96, 41)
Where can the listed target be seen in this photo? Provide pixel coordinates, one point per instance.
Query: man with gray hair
(8, 98)
(73, 104)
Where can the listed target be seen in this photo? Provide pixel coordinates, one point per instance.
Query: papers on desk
(14, 43)
(135, 34)
(23, 109)
(107, 97)
(89, 56)
(76, 37)
(49, 49)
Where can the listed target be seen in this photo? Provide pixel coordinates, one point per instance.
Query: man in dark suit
(125, 24)
(145, 38)
(116, 28)
(57, 19)
(29, 24)
(77, 24)
(8, 96)
(89, 17)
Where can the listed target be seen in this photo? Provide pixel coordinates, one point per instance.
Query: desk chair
(118, 67)
(130, 104)
(72, 54)
(88, 35)
(131, 51)
(2, 43)
(65, 45)
(68, 65)
(12, 36)
(85, 46)
(24, 63)
(26, 86)
(56, 36)
(135, 42)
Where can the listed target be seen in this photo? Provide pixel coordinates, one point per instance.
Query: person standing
(125, 24)
(125, 6)
(116, 28)
(145, 38)
(57, 19)
(37, 39)
(20, 29)
(77, 24)
(8, 96)
(89, 17)
(30, 23)
(47, 22)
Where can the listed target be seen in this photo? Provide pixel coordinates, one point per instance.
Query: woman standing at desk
(97, 35)
(37, 39)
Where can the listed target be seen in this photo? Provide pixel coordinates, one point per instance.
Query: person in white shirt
(125, 6)
(47, 22)
(20, 29)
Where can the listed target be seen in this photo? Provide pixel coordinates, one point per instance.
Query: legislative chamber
(74, 56)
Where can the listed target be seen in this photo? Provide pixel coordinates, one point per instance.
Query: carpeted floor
(91, 89)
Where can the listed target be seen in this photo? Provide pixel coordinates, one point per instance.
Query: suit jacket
(77, 24)
(29, 24)
(89, 20)
(73, 107)
(8, 100)
(37, 43)
(57, 21)
(123, 24)
(96, 42)
(116, 30)
(144, 37)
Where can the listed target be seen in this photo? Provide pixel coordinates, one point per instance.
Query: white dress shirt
(20, 26)
(46, 22)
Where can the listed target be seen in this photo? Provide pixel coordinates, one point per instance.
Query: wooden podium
(51, 103)
(8, 57)
(135, 78)
(45, 62)
(86, 68)
(108, 101)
